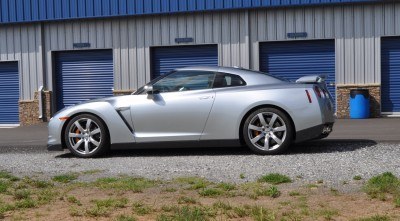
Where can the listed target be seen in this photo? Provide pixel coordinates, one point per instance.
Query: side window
(185, 81)
(228, 80)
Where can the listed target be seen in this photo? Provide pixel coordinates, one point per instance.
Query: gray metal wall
(357, 30)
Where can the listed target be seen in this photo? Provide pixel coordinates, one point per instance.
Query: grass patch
(184, 214)
(134, 184)
(141, 209)
(271, 191)
(91, 172)
(125, 218)
(379, 186)
(294, 193)
(375, 218)
(4, 185)
(186, 200)
(25, 204)
(357, 177)
(8, 176)
(22, 194)
(210, 192)
(111, 203)
(260, 213)
(226, 186)
(328, 214)
(195, 183)
(74, 200)
(242, 176)
(275, 178)
(170, 190)
(65, 178)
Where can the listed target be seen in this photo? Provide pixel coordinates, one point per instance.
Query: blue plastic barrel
(359, 103)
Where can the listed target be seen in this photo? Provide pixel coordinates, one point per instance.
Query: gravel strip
(334, 162)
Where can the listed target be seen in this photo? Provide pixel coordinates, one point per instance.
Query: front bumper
(316, 132)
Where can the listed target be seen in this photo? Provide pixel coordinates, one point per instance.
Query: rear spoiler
(311, 79)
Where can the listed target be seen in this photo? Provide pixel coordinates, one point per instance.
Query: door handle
(205, 97)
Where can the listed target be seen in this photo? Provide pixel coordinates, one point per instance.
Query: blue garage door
(165, 59)
(390, 75)
(83, 75)
(294, 59)
(9, 93)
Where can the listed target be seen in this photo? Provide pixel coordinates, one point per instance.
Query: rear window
(228, 80)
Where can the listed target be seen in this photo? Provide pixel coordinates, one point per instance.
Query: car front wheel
(268, 131)
(86, 136)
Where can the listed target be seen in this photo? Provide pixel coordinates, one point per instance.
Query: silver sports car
(199, 106)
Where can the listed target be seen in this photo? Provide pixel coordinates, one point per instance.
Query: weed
(90, 172)
(226, 186)
(97, 211)
(75, 211)
(397, 201)
(334, 191)
(170, 190)
(111, 203)
(46, 196)
(168, 208)
(357, 177)
(379, 186)
(328, 214)
(320, 181)
(65, 178)
(125, 218)
(25, 204)
(194, 182)
(294, 193)
(221, 205)
(210, 192)
(141, 209)
(4, 185)
(242, 176)
(241, 211)
(375, 218)
(275, 178)
(186, 200)
(8, 176)
(185, 213)
(271, 191)
(22, 194)
(259, 213)
(74, 200)
(312, 185)
(134, 184)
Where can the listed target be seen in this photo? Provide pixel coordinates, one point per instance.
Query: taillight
(308, 96)
(317, 91)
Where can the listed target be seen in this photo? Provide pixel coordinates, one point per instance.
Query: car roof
(251, 77)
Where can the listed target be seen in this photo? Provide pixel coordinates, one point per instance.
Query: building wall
(357, 30)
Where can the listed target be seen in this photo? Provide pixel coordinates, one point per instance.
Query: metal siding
(292, 60)
(83, 75)
(390, 75)
(9, 93)
(165, 59)
(41, 10)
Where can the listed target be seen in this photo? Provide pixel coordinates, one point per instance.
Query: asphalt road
(334, 160)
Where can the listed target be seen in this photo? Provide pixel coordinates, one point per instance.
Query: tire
(86, 136)
(259, 128)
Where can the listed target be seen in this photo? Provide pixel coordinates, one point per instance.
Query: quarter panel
(231, 105)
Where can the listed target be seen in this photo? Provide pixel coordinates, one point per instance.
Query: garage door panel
(9, 93)
(294, 59)
(390, 74)
(83, 75)
(165, 59)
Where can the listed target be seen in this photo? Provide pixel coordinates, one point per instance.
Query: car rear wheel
(86, 136)
(268, 131)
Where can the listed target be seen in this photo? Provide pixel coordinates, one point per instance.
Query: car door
(177, 110)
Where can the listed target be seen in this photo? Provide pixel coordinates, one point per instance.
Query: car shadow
(310, 147)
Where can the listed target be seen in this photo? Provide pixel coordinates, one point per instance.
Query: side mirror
(150, 90)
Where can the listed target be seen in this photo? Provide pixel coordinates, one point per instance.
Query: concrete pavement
(376, 129)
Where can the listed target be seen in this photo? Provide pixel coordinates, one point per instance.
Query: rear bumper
(316, 132)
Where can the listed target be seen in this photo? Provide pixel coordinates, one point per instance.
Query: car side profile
(199, 106)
